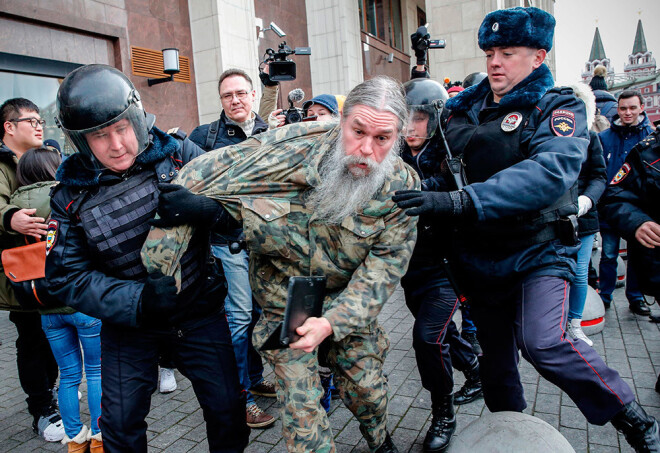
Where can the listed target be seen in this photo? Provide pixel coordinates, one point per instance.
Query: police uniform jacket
(99, 223)
(263, 182)
(633, 198)
(522, 159)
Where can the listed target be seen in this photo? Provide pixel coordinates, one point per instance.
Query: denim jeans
(608, 267)
(578, 292)
(242, 315)
(66, 332)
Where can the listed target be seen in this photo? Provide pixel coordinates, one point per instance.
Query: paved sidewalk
(629, 343)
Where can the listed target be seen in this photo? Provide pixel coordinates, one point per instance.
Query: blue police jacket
(74, 272)
(553, 155)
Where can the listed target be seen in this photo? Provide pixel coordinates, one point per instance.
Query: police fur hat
(529, 27)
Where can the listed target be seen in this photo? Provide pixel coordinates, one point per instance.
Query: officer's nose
(115, 142)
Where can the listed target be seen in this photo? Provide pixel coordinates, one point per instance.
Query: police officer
(523, 144)
(429, 294)
(109, 192)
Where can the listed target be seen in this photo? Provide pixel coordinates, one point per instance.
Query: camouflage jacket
(262, 182)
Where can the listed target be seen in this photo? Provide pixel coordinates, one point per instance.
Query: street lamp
(170, 66)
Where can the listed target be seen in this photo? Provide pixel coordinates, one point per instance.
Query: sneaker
(574, 330)
(49, 425)
(471, 337)
(265, 388)
(167, 382)
(256, 418)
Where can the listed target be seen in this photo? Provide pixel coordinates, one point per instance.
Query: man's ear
(9, 127)
(539, 57)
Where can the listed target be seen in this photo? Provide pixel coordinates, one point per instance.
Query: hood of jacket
(35, 196)
(528, 92)
(6, 154)
(602, 96)
(75, 173)
(621, 129)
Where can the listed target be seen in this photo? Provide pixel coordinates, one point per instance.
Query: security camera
(278, 31)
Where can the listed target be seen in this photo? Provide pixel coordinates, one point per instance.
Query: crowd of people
(163, 250)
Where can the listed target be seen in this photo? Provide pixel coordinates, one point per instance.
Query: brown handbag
(25, 267)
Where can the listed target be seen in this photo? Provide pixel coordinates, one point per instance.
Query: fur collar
(526, 93)
(75, 171)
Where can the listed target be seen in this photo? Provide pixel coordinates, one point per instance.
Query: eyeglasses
(33, 121)
(240, 95)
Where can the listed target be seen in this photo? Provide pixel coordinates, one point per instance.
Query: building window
(382, 19)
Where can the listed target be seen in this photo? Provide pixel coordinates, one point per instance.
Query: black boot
(442, 427)
(639, 307)
(388, 446)
(639, 428)
(471, 390)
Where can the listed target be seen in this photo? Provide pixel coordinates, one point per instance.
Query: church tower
(596, 57)
(640, 61)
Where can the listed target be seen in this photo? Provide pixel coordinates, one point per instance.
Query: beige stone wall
(223, 36)
(458, 21)
(333, 28)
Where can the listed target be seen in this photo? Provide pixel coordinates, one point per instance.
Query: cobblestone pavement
(629, 343)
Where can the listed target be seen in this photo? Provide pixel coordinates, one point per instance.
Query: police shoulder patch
(621, 174)
(51, 235)
(563, 123)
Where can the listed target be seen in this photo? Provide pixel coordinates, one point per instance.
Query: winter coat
(37, 196)
(592, 183)
(633, 198)
(617, 142)
(8, 238)
(76, 274)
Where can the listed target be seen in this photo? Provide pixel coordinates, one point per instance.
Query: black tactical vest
(115, 220)
(488, 148)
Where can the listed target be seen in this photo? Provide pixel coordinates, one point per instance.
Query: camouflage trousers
(357, 362)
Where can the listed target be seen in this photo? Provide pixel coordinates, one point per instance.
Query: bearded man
(315, 199)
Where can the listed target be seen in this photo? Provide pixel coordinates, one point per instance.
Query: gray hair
(381, 93)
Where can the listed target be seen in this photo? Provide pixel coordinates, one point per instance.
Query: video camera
(281, 68)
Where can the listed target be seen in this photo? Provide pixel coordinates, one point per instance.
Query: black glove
(420, 44)
(454, 204)
(265, 79)
(158, 299)
(177, 206)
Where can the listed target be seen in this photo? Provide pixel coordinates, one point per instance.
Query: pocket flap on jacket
(267, 208)
(363, 225)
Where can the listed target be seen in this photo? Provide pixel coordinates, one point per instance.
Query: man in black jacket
(238, 122)
(108, 195)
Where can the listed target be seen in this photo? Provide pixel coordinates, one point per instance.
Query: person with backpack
(66, 329)
(237, 123)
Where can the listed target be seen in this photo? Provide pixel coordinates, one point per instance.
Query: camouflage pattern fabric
(262, 182)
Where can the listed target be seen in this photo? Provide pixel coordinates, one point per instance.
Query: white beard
(344, 188)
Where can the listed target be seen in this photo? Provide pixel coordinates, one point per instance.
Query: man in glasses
(237, 123)
(22, 129)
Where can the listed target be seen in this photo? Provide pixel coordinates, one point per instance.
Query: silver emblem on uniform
(511, 121)
(496, 26)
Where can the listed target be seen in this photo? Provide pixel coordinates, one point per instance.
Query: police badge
(563, 123)
(511, 121)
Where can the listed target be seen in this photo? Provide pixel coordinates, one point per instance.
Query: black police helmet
(424, 91)
(473, 79)
(420, 94)
(95, 96)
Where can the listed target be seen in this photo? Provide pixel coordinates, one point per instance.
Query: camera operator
(238, 122)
